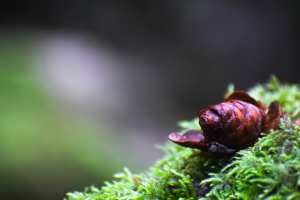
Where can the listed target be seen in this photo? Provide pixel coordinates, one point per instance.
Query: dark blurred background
(89, 87)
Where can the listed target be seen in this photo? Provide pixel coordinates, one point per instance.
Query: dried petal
(242, 96)
(274, 114)
(192, 139)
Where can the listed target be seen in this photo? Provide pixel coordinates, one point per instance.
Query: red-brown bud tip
(209, 120)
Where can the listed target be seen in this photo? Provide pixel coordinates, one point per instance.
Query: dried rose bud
(238, 122)
(234, 124)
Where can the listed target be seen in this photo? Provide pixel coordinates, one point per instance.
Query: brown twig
(82, 191)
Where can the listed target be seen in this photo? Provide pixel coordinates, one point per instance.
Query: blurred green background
(89, 87)
(44, 150)
(47, 148)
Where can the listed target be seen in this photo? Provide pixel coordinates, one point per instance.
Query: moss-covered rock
(268, 170)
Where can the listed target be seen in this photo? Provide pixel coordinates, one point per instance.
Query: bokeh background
(88, 87)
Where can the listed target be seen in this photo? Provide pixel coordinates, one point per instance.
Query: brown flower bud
(237, 124)
(229, 126)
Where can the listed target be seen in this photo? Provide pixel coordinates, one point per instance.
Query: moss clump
(268, 170)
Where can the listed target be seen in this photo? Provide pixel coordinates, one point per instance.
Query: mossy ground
(268, 170)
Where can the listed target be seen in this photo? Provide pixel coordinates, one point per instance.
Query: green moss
(268, 170)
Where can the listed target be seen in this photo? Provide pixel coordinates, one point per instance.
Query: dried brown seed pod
(232, 125)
